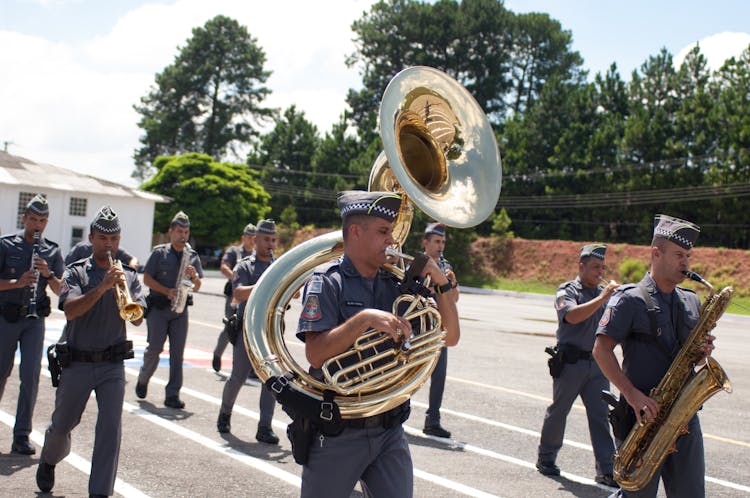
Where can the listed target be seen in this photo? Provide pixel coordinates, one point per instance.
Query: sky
(71, 70)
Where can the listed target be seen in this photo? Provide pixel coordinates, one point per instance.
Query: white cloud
(717, 48)
(71, 104)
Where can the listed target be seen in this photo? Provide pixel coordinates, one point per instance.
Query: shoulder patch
(315, 286)
(560, 302)
(311, 309)
(606, 316)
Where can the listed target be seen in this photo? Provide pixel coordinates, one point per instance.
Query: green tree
(219, 198)
(206, 100)
(468, 40)
(286, 155)
(541, 52)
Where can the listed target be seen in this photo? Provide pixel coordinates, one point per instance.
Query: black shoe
(547, 468)
(141, 390)
(45, 477)
(98, 496)
(174, 402)
(222, 424)
(607, 480)
(216, 363)
(266, 435)
(22, 446)
(436, 430)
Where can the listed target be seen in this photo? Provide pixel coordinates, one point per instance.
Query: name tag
(354, 303)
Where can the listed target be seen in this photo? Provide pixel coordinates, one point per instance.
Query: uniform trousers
(683, 472)
(162, 324)
(437, 386)
(379, 458)
(223, 339)
(28, 334)
(77, 381)
(240, 369)
(582, 378)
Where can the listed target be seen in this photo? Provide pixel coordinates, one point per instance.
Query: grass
(738, 306)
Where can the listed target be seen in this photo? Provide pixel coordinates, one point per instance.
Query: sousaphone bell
(440, 153)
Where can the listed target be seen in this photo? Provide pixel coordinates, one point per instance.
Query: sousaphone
(440, 153)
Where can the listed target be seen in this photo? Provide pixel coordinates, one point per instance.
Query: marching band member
(23, 306)
(92, 358)
(434, 245)
(161, 276)
(580, 304)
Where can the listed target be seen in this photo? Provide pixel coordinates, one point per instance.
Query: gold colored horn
(439, 150)
(441, 154)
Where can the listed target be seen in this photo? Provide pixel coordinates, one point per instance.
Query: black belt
(388, 419)
(585, 355)
(118, 352)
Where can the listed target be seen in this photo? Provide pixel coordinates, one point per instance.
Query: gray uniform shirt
(84, 249)
(15, 260)
(336, 292)
(234, 255)
(645, 358)
(101, 326)
(247, 272)
(164, 263)
(571, 294)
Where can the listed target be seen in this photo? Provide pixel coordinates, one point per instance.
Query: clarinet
(32, 298)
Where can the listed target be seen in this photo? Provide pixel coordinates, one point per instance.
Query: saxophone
(183, 284)
(680, 395)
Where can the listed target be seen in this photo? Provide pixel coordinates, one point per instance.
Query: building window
(76, 235)
(77, 206)
(23, 200)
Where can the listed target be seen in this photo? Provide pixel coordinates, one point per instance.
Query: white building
(74, 199)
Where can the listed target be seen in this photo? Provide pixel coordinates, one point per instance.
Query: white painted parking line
(76, 461)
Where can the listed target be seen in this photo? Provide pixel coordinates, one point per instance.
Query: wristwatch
(441, 289)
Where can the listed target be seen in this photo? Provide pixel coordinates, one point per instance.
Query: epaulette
(77, 262)
(329, 267)
(686, 289)
(625, 287)
(8, 235)
(570, 283)
(50, 243)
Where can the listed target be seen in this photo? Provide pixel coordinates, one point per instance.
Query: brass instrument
(680, 395)
(31, 308)
(183, 284)
(440, 153)
(130, 311)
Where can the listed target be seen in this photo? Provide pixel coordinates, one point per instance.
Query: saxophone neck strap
(653, 337)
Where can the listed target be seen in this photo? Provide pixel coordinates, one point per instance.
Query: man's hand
(113, 276)
(609, 289)
(645, 408)
(27, 279)
(395, 326)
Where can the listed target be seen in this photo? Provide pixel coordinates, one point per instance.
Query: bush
(632, 270)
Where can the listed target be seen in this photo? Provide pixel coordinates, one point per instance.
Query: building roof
(19, 171)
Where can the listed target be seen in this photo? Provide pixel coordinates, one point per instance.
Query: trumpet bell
(440, 148)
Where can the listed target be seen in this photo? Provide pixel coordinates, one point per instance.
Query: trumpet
(130, 311)
(32, 295)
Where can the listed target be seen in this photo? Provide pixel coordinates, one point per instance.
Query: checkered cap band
(38, 205)
(384, 205)
(681, 232)
(106, 221)
(596, 250)
(267, 226)
(249, 229)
